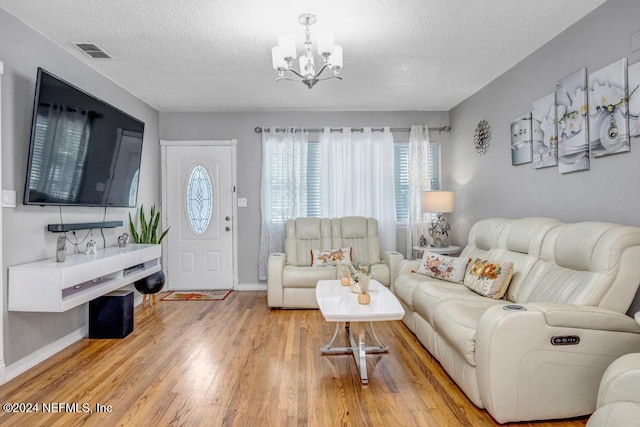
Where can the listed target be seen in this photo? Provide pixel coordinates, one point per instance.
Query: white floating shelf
(50, 286)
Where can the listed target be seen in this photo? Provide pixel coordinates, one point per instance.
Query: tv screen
(83, 151)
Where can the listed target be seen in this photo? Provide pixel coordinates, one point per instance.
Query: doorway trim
(234, 194)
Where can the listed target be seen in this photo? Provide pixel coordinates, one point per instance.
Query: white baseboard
(251, 287)
(43, 354)
(3, 373)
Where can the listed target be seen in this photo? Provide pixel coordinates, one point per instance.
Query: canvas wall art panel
(545, 132)
(634, 99)
(521, 140)
(573, 132)
(608, 124)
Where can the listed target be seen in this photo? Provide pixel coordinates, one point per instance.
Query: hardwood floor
(236, 362)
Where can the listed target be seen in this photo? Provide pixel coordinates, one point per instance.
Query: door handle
(227, 228)
(227, 218)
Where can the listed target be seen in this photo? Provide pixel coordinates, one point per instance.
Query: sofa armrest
(275, 269)
(526, 371)
(585, 317)
(408, 266)
(393, 260)
(621, 381)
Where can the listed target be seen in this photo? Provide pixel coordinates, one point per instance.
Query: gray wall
(240, 126)
(489, 186)
(24, 235)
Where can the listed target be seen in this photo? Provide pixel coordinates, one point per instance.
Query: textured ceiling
(215, 55)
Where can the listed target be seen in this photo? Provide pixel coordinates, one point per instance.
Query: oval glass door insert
(199, 199)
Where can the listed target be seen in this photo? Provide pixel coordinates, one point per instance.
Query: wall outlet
(8, 198)
(242, 202)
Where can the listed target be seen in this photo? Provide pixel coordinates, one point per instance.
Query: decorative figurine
(61, 249)
(123, 240)
(92, 248)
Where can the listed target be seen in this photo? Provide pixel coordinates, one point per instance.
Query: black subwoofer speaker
(111, 315)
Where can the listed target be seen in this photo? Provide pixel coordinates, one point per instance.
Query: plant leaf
(154, 228)
(164, 233)
(132, 230)
(144, 234)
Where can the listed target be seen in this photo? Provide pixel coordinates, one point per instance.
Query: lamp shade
(287, 45)
(335, 59)
(438, 201)
(277, 60)
(325, 43)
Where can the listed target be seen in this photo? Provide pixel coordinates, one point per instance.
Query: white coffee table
(338, 304)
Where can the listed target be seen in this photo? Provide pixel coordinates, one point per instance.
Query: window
(401, 171)
(199, 203)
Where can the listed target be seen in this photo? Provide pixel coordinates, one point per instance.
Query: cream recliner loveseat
(291, 280)
(539, 352)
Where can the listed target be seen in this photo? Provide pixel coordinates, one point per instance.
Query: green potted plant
(148, 233)
(148, 229)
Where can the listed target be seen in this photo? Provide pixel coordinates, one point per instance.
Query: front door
(199, 192)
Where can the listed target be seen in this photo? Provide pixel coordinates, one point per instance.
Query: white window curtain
(283, 191)
(419, 181)
(357, 178)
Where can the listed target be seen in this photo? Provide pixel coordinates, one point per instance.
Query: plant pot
(151, 284)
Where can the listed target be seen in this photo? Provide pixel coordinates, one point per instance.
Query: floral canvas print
(573, 140)
(634, 99)
(545, 132)
(608, 125)
(521, 140)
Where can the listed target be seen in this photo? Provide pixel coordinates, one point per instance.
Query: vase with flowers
(360, 277)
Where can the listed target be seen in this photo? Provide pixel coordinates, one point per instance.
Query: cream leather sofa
(570, 280)
(291, 281)
(619, 394)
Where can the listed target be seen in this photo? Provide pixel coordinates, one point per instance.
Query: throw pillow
(324, 257)
(489, 279)
(443, 267)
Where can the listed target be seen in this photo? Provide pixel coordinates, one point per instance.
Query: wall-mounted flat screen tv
(83, 151)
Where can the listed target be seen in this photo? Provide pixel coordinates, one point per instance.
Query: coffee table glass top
(338, 304)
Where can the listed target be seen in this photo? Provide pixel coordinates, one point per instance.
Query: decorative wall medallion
(482, 136)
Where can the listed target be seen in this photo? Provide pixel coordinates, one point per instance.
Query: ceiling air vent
(92, 50)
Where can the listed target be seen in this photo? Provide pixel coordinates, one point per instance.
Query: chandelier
(283, 55)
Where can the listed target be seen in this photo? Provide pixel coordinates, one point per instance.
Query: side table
(443, 250)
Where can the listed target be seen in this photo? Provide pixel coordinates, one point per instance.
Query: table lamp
(438, 202)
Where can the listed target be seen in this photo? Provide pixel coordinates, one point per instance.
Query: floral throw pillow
(324, 257)
(443, 267)
(489, 279)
